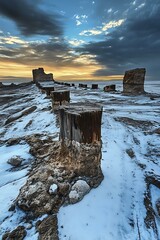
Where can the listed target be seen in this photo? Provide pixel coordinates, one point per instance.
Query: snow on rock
(15, 161)
(53, 189)
(78, 191)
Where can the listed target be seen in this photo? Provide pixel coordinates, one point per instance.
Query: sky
(79, 40)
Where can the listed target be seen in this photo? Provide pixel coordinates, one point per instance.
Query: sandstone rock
(133, 81)
(15, 161)
(18, 234)
(78, 191)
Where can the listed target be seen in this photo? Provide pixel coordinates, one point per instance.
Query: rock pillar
(40, 75)
(133, 81)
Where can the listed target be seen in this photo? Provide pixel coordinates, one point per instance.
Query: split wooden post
(80, 123)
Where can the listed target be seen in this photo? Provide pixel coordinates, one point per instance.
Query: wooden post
(81, 123)
(94, 86)
(48, 90)
(60, 97)
(110, 88)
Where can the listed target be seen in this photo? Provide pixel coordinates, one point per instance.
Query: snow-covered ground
(130, 152)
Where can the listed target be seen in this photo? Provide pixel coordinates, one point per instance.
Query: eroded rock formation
(133, 81)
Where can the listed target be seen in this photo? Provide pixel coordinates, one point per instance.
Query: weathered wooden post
(133, 81)
(81, 123)
(94, 86)
(80, 134)
(60, 97)
(48, 89)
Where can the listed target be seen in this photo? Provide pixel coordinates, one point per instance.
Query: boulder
(78, 191)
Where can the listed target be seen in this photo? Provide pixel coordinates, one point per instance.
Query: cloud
(80, 19)
(135, 43)
(30, 18)
(76, 42)
(102, 29)
(11, 40)
(78, 22)
(112, 24)
(90, 32)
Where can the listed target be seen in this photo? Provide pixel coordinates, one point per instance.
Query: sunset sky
(79, 39)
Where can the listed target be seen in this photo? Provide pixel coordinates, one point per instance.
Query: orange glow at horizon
(85, 72)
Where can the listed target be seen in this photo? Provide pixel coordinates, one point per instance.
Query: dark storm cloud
(136, 43)
(55, 52)
(29, 18)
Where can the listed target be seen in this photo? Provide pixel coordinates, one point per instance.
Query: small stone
(28, 226)
(15, 161)
(53, 189)
(50, 179)
(12, 208)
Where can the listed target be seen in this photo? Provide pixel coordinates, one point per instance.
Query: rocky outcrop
(133, 81)
(56, 169)
(40, 75)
